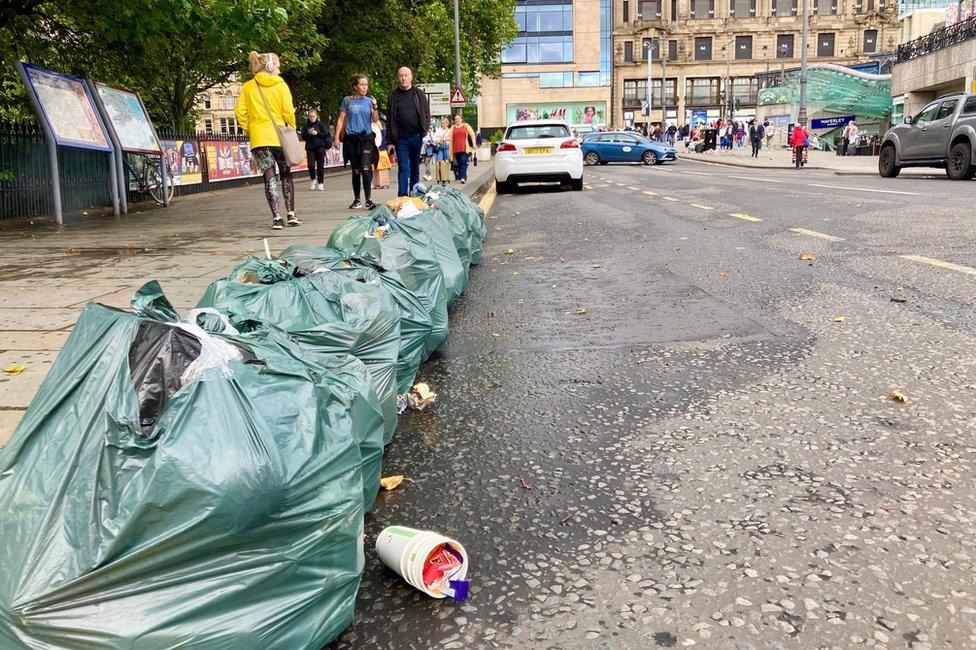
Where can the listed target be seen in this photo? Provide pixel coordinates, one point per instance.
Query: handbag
(291, 146)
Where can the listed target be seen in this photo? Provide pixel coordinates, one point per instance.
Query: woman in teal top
(355, 131)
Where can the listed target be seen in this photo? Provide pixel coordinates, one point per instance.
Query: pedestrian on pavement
(477, 147)
(672, 133)
(756, 134)
(853, 138)
(357, 113)
(740, 135)
(798, 142)
(408, 120)
(265, 101)
(317, 142)
(462, 146)
(442, 136)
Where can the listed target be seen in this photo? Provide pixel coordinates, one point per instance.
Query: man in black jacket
(317, 141)
(408, 119)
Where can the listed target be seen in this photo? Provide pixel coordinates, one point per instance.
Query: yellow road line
(744, 217)
(636, 189)
(703, 207)
(814, 233)
(650, 193)
(670, 198)
(968, 270)
(488, 199)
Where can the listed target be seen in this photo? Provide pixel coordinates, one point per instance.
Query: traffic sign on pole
(458, 100)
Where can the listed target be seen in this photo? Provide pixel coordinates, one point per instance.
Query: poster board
(128, 119)
(227, 160)
(184, 161)
(581, 114)
(67, 108)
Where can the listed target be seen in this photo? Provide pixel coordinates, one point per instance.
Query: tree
(168, 50)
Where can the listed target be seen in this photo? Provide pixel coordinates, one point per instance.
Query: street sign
(439, 96)
(831, 122)
(457, 98)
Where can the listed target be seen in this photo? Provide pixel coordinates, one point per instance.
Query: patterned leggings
(277, 179)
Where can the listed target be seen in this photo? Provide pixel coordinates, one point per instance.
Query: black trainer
(356, 205)
(277, 224)
(293, 220)
(369, 205)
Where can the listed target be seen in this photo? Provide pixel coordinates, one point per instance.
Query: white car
(538, 151)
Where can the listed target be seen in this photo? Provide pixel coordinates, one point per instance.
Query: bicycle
(143, 176)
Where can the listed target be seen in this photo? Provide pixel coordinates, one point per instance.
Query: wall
(944, 71)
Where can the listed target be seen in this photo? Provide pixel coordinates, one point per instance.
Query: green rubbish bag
(166, 489)
(325, 311)
(415, 320)
(431, 229)
(416, 267)
(452, 201)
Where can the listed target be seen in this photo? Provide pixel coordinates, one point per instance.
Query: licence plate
(535, 151)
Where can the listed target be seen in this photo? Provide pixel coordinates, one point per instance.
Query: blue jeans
(443, 151)
(462, 165)
(408, 163)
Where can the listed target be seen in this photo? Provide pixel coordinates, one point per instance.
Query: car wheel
(502, 187)
(591, 158)
(650, 158)
(576, 184)
(960, 164)
(886, 162)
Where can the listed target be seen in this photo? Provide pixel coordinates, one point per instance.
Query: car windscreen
(533, 131)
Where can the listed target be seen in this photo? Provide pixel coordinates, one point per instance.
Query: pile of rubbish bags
(201, 480)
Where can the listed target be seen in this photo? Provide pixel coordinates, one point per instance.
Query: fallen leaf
(391, 482)
(898, 396)
(807, 257)
(840, 319)
(15, 369)
(524, 485)
(581, 311)
(723, 273)
(899, 288)
(510, 251)
(250, 250)
(677, 248)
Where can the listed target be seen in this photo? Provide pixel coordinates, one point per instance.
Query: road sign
(439, 96)
(457, 98)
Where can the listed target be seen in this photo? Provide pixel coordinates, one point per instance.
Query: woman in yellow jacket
(461, 141)
(265, 101)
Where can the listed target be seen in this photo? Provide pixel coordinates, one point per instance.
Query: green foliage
(172, 50)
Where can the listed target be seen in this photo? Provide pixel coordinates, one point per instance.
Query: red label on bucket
(441, 565)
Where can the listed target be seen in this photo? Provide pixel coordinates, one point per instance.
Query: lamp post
(664, 81)
(801, 116)
(649, 46)
(457, 49)
(727, 104)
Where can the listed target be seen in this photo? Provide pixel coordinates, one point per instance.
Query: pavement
(665, 420)
(780, 158)
(46, 276)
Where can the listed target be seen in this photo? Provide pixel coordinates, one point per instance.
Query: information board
(67, 108)
(439, 96)
(128, 119)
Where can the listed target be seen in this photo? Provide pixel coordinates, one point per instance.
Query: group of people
(265, 105)
(456, 143)
(851, 139)
(734, 134)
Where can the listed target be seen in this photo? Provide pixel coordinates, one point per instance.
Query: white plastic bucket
(405, 550)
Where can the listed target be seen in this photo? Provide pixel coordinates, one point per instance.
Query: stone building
(216, 109)
(559, 65)
(716, 47)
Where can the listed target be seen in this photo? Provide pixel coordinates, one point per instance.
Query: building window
(702, 9)
(547, 18)
(208, 126)
(649, 9)
(703, 48)
(745, 89)
(870, 41)
(672, 50)
(742, 8)
(784, 46)
(539, 49)
(228, 126)
(626, 11)
(824, 7)
(555, 80)
(207, 104)
(629, 51)
(743, 47)
(670, 94)
(635, 92)
(784, 8)
(653, 45)
(587, 79)
(825, 45)
(702, 91)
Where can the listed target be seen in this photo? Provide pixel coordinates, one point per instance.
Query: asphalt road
(658, 425)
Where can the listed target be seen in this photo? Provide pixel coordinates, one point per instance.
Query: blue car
(621, 146)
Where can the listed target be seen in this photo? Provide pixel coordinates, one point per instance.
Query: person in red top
(462, 146)
(798, 141)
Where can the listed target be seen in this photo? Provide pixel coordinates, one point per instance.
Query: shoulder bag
(291, 146)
